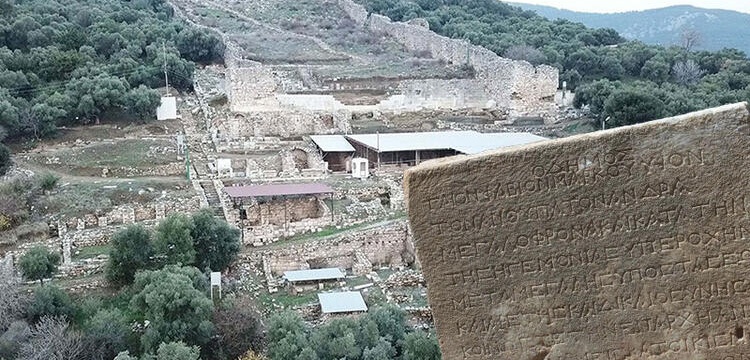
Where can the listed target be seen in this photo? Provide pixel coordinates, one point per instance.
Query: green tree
(287, 336)
(337, 339)
(656, 69)
(307, 354)
(5, 161)
(216, 243)
(38, 263)
(595, 94)
(419, 345)
(131, 252)
(6, 8)
(391, 322)
(383, 350)
(142, 102)
(105, 334)
(50, 301)
(200, 46)
(632, 106)
(8, 114)
(173, 243)
(174, 308)
(175, 351)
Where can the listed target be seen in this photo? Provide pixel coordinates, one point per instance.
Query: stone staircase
(212, 196)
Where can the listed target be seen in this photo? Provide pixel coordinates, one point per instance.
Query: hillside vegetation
(718, 29)
(74, 62)
(627, 81)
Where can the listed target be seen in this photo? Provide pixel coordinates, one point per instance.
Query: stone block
(630, 243)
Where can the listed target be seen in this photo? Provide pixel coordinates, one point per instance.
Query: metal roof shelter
(496, 141)
(277, 190)
(466, 142)
(314, 275)
(332, 143)
(342, 302)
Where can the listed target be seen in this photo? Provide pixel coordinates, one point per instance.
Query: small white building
(224, 168)
(167, 110)
(360, 168)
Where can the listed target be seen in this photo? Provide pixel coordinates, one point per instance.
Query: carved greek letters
(625, 244)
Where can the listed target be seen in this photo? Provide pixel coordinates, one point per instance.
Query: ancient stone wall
(436, 94)
(285, 123)
(381, 246)
(282, 211)
(526, 89)
(248, 86)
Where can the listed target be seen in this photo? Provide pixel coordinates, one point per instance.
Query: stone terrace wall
(526, 89)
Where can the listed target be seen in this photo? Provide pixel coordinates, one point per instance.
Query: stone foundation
(387, 245)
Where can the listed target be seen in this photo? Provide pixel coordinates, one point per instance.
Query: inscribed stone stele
(630, 243)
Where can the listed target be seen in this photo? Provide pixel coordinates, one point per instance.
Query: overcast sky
(633, 5)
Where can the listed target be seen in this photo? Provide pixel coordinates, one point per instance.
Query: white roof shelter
(466, 142)
(332, 143)
(342, 302)
(314, 275)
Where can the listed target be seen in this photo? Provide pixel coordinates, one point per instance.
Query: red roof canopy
(277, 190)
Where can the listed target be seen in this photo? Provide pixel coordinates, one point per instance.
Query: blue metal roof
(342, 302)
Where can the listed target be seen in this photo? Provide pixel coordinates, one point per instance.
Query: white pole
(378, 137)
(166, 77)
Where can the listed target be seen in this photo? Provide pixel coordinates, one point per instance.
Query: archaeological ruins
(626, 243)
(301, 142)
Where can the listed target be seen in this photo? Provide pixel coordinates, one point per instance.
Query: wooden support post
(286, 222)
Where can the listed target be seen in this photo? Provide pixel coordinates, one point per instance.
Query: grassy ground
(80, 198)
(356, 281)
(283, 300)
(120, 157)
(580, 127)
(332, 231)
(91, 252)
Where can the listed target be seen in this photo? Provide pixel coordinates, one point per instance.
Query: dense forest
(626, 81)
(74, 62)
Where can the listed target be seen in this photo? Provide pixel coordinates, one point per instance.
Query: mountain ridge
(718, 28)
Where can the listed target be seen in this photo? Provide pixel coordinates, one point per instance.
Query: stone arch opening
(301, 159)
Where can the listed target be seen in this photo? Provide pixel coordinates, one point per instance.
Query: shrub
(47, 181)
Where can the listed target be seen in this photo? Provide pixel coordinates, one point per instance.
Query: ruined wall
(249, 86)
(526, 89)
(281, 211)
(386, 245)
(285, 123)
(437, 94)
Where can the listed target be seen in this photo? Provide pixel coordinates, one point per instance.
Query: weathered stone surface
(632, 243)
